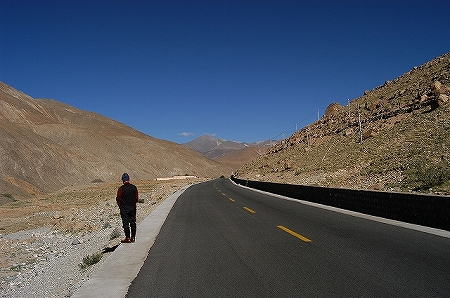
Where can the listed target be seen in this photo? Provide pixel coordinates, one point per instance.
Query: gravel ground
(56, 272)
(45, 262)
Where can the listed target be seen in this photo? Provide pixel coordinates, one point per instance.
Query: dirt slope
(46, 145)
(403, 143)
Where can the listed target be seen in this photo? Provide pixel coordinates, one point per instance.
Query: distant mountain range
(215, 148)
(231, 153)
(394, 137)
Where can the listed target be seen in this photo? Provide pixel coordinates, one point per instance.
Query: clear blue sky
(240, 70)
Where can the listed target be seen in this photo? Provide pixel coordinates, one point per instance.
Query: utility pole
(318, 115)
(348, 109)
(360, 128)
(307, 136)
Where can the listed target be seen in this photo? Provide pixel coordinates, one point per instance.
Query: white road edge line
(428, 230)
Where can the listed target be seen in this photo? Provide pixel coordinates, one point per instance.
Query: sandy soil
(73, 211)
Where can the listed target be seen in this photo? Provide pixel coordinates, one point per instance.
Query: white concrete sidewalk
(115, 275)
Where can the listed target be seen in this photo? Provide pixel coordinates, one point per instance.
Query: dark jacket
(127, 195)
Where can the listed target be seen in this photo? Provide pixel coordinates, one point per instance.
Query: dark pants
(128, 215)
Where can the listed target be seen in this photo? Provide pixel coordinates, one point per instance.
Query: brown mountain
(237, 158)
(46, 145)
(213, 147)
(230, 153)
(395, 137)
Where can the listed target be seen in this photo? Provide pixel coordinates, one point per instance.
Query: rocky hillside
(395, 137)
(46, 145)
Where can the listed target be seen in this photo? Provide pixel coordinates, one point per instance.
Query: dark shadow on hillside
(5, 198)
(433, 106)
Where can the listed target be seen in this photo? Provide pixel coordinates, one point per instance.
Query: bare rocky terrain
(43, 241)
(395, 137)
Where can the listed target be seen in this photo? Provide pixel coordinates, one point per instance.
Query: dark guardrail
(426, 210)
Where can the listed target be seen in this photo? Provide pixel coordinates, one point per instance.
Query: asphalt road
(221, 240)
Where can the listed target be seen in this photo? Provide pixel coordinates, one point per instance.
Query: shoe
(132, 239)
(126, 240)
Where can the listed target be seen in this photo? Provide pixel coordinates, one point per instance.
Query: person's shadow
(109, 249)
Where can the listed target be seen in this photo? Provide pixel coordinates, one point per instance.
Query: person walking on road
(127, 197)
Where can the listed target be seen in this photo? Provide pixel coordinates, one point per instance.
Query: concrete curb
(115, 275)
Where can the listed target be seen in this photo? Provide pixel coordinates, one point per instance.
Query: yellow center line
(232, 200)
(294, 234)
(249, 210)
